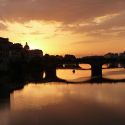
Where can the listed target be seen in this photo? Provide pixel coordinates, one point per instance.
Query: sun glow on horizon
(47, 36)
(53, 38)
(36, 33)
(79, 27)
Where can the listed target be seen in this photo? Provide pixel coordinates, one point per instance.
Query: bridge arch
(85, 66)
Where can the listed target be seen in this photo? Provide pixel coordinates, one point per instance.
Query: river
(67, 104)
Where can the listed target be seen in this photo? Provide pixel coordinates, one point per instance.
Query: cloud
(86, 42)
(82, 16)
(2, 26)
(95, 18)
(67, 11)
(108, 25)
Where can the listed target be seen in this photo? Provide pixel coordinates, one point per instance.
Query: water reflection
(4, 106)
(114, 73)
(79, 75)
(69, 104)
(83, 75)
(64, 104)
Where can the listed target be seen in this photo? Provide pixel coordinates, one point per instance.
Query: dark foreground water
(67, 104)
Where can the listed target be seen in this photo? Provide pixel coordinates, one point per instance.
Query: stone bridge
(96, 63)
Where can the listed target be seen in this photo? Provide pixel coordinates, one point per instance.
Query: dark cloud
(111, 24)
(69, 12)
(66, 11)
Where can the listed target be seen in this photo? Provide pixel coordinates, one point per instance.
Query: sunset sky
(79, 27)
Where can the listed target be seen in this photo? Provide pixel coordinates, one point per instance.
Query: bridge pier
(96, 71)
(50, 73)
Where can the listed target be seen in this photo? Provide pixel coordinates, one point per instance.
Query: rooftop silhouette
(14, 59)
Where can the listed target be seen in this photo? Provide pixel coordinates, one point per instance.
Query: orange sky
(79, 27)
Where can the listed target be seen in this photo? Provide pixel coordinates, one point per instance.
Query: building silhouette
(15, 56)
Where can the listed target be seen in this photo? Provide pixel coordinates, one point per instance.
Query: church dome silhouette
(26, 47)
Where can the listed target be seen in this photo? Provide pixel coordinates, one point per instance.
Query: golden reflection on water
(58, 103)
(69, 104)
(79, 75)
(114, 73)
(82, 75)
(36, 96)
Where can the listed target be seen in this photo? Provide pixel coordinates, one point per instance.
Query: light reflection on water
(114, 73)
(67, 104)
(81, 75)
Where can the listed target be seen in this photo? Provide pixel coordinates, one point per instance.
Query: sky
(79, 27)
